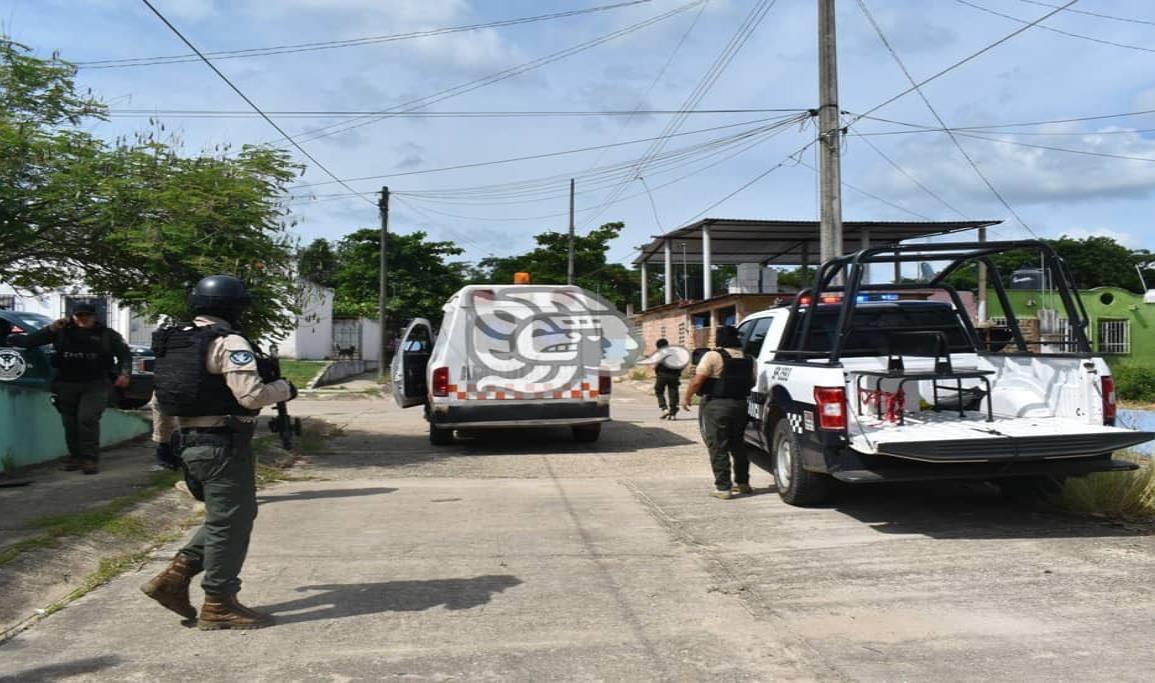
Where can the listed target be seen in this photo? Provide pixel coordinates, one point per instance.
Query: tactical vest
(82, 355)
(736, 381)
(183, 385)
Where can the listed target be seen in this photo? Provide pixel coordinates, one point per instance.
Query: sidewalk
(56, 530)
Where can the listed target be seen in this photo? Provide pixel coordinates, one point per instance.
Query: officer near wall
(87, 355)
(724, 378)
(207, 377)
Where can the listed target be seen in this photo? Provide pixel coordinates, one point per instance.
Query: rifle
(269, 368)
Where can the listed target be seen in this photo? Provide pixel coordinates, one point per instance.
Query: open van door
(409, 361)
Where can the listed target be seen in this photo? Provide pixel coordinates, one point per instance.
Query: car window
(29, 321)
(752, 334)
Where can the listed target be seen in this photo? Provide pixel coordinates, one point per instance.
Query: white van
(513, 356)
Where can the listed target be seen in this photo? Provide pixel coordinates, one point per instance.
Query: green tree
(1093, 261)
(318, 263)
(548, 264)
(134, 218)
(421, 277)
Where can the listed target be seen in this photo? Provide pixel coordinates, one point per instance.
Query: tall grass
(1125, 495)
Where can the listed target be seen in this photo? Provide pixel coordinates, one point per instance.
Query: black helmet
(223, 296)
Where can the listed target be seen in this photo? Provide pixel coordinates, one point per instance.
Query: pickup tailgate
(943, 438)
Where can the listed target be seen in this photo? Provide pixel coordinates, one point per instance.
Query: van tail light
(605, 385)
(831, 405)
(1109, 406)
(441, 382)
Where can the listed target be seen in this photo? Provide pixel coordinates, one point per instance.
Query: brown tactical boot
(170, 587)
(222, 611)
(70, 464)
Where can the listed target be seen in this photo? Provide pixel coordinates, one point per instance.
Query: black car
(33, 367)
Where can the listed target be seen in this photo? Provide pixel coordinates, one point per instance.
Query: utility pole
(830, 135)
(569, 270)
(382, 297)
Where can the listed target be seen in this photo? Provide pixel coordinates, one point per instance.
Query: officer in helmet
(206, 377)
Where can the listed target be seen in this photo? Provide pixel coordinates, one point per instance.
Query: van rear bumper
(520, 414)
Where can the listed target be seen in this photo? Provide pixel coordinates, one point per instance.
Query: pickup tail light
(1109, 406)
(605, 385)
(831, 408)
(16, 329)
(441, 382)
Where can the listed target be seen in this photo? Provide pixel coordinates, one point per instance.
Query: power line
(1129, 20)
(1055, 30)
(528, 157)
(717, 67)
(906, 72)
(872, 195)
(1077, 119)
(496, 77)
(910, 177)
(333, 44)
(961, 62)
(321, 114)
(251, 103)
(978, 134)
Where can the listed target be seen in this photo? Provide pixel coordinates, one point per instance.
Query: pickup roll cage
(852, 268)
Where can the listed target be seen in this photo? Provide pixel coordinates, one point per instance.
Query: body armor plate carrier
(183, 385)
(736, 381)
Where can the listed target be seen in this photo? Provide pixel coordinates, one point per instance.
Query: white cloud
(1125, 238)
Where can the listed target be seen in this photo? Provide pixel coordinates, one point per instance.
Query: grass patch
(108, 518)
(315, 434)
(301, 372)
(1117, 495)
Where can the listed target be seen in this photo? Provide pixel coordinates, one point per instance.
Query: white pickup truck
(869, 383)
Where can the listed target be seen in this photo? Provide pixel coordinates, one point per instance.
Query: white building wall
(370, 339)
(312, 338)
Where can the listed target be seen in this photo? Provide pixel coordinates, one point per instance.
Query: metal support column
(645, 288)
(707, 280)
(669, 272)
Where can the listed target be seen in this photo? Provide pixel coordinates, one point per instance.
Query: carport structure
(730, 241)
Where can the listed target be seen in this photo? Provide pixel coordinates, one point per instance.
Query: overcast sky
(1036, 76)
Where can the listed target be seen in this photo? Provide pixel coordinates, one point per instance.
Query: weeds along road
(525, 556)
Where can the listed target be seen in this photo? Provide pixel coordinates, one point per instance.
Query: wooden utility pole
(569, 271)
(382, 297)
(830, 136)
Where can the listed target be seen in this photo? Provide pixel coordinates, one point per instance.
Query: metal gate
(347, 338)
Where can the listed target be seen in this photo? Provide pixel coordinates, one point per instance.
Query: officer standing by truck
(724, 378)
(85, 351)
(207, 378)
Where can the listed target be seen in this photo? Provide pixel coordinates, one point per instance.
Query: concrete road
(523, 556)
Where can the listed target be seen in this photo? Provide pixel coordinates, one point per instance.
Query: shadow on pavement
(355, 447)
(325, 493)
(335, 601)
(52, 672)
(961, 509)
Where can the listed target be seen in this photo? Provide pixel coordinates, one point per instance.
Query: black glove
(292, 390)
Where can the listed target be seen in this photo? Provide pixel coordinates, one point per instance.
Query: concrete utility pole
(382, 297)
(569, 271)
(830, 135)
(982, 281)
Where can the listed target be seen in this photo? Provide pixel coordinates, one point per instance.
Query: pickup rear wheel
(796, 485)
(439, 436)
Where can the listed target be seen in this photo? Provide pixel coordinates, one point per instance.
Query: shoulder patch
(241, 357)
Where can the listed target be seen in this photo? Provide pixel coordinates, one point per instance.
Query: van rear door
(410, 360)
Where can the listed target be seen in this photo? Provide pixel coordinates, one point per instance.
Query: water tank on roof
(1027, 278)
(749, 278)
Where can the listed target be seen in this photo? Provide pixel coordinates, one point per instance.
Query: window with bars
(1114, 336)
(7, 302)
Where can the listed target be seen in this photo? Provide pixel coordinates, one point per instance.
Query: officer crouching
(206, 377)
(724, 378)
